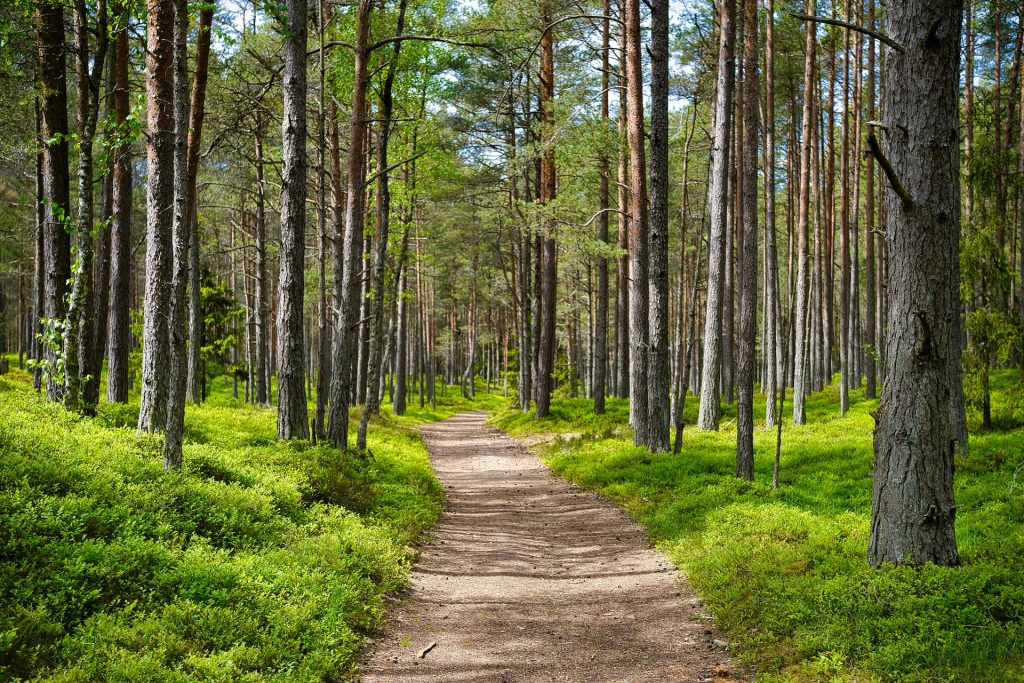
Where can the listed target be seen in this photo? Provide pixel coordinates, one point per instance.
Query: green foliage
(993, 332)
(52, 338)
(220, 312)
(784, 572)
(261, 561)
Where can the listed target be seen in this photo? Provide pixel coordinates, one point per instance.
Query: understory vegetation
(260, 561)
(783, 572)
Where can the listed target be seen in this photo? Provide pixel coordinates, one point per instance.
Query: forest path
(530, 578)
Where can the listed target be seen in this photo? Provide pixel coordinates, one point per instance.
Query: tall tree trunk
(871, 388)
(639, 293)
(194, 384)
(51, 67)
(659, 406)
(748, 263)
(916, 433)
(39, 274)
(718, 198)
(685, 323)
(100, 300)
(292, 413)
(348, 266)
(772, 316)
(600, 355)
(185, 361)
(622, 270)
(261, 296)
(401, 346)
(800, 370)
(159, 215)
(323, 353)
(79, 326)
(549, 249)
(1020, 199)
(119, 332)
(383, 211)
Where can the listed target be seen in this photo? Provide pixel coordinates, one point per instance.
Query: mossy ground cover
(784, 572)
(261, 561)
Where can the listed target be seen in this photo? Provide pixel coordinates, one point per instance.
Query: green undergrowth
(784, 572)
(261, 561)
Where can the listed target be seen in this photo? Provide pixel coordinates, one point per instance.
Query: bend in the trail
(530, 578)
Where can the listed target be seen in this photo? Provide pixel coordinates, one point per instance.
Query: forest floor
(783, 572)
(528, 577)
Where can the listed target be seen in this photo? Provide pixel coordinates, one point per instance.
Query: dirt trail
(530, 578)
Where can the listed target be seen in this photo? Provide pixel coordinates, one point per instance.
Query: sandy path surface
(530, 578)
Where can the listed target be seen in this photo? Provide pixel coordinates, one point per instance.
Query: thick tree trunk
(549, 249)
(800, 326)
(659, 405)
(718, 199)
(348, 260)
(292, 413)
(119, 330)
(51, 68)
(916, 434)
(181, 228)
(156, 360)
(748, 262)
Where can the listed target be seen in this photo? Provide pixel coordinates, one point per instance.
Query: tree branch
(890, 172)
(853, 27)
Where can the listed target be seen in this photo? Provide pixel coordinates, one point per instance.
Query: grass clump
(260, 561)
(784, 572)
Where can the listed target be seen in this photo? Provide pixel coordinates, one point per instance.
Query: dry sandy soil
(530, 578)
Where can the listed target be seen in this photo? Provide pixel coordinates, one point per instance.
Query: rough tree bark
(916, 433)
(56, 194)
(185, 382)
(718, 199)
(159, 214)
(292, 413)
(748, 263)
(659, 405)
(549, 249)
(180, 245)
(347, 260)
(800, 327)
(78, 332)
(119, 329)
(639, 293)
